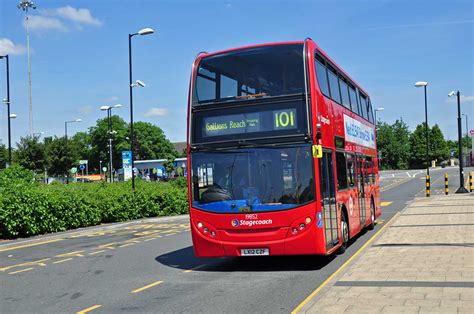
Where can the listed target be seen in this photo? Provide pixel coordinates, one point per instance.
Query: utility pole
(25, 5)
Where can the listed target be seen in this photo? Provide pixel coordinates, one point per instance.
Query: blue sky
(80, 58)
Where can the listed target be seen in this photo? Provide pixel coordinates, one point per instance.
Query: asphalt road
(149, 266)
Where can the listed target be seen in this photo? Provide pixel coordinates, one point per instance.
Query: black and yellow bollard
(446, 185)
(470, 182)
(428, 192)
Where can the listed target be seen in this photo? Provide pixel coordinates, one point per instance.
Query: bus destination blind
(264, 121)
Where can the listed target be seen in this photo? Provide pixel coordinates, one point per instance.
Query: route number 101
(284, 119)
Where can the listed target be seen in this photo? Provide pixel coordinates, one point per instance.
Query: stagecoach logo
(251, 223)
(359, 133)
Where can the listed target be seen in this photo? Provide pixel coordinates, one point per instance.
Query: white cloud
(7, 47)
(39, 22)
(153, 112)
(82, 16)
(111, 99)
(464, 99)
(86, 109)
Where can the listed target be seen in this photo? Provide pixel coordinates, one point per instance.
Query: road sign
(82, 167)
(127, 164)
(83, 162)
(73, 170)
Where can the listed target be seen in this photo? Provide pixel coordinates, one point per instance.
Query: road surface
(149, 266)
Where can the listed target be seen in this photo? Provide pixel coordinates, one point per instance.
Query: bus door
(360, 170)
(328, 198)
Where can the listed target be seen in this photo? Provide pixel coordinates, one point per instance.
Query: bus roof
(321, 51)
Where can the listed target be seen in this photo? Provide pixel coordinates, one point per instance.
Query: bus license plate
(254, 252)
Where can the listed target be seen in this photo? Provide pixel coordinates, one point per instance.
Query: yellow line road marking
(63, 260)
(308, 298)
(97, 252)
(89, 309)
(156, 283)
(197, 267)
(154, 238)
(33, 263)
(383, 204)
(28, 245)
(74, 254)
(126, 244)
(20, 271)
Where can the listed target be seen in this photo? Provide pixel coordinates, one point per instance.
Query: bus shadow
(184, 259)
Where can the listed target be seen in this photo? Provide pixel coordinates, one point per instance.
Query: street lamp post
(110, 131)
(66, 148)
(461, 188)
(142, 32)
(467, 124)
(375, 111)
(424, 84)
(7, 102)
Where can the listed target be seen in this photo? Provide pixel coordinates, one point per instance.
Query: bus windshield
(250, 73)
(253, 179)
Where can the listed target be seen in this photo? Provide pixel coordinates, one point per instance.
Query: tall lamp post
(375, 113)
(25, 5)
(7, 102)
(467, 124)
(66, 148)
(461, 188)
(109, 121)
(424, 84)
(142, 32)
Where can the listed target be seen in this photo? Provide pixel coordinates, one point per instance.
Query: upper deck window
(254, 72)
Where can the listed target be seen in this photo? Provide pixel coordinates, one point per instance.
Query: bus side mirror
(317, 151)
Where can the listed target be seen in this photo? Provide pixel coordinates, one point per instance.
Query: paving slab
(423, 262)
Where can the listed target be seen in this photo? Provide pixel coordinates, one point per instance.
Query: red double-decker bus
(282, 154)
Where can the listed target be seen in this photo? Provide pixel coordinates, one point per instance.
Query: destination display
(254, 122)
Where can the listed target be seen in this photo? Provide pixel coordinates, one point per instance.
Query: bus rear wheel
(344, 233)
(371, 226)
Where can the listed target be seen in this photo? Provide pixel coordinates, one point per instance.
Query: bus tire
(371, 226)
(344, 233)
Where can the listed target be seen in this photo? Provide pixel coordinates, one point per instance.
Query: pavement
(149, 266)
(422, 261)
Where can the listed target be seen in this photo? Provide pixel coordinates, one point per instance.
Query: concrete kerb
(76, 232)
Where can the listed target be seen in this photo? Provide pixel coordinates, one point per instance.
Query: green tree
(3, 156)
(151, 142)
(168, 164)
(393, 144)
(99, 141)
(439, 150)
(418, 147)
(30, 153)
(60, 157)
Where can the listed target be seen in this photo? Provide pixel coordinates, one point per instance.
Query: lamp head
(146, 31)
(78, 120)
(421, 84)
(118, 106)
(12, 116)
(140, 83)
(380, 109)
(451, 94)
(104, 108)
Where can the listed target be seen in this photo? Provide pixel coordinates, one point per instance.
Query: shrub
(28, 208)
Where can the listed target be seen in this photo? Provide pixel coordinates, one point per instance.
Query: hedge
(29, 208)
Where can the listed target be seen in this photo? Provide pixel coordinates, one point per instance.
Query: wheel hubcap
(345, 236)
